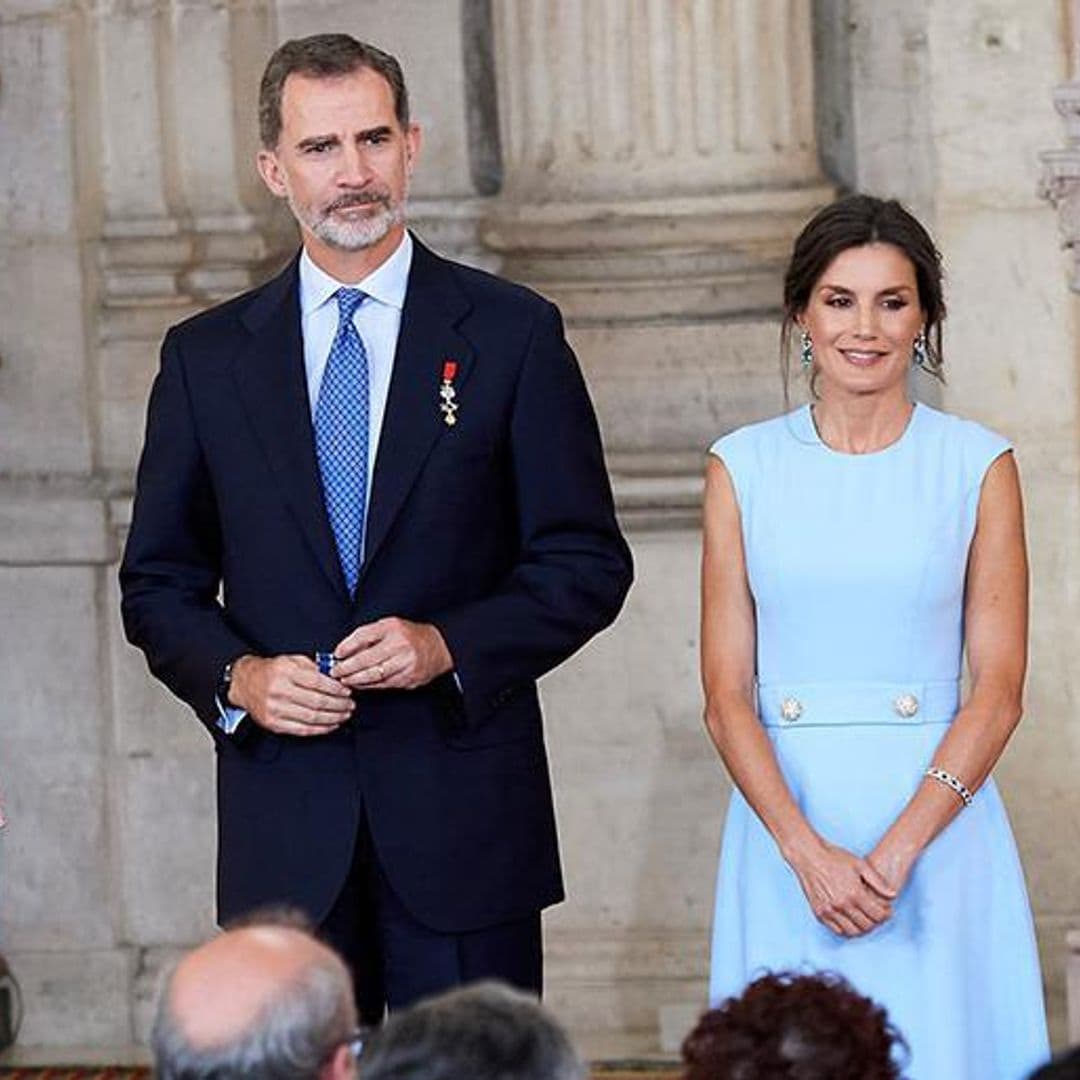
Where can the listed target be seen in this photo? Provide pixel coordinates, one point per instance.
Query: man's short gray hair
(293, 1036)
(324, 56)
(482, 1032)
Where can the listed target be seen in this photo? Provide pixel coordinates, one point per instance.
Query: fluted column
(183, 221)
(178, 221)
(657, 153)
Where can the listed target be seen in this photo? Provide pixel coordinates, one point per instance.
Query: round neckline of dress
(891, 448)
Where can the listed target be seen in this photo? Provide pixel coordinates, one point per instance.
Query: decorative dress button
(906, 705)
(791, 709)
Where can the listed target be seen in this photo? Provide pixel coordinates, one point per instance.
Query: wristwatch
(224, 685)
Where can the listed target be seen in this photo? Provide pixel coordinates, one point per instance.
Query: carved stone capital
(1060, 180)
(634, 260)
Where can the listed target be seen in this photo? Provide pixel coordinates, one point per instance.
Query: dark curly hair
(794, 1027)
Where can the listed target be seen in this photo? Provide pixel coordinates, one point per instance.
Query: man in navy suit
(371, 511)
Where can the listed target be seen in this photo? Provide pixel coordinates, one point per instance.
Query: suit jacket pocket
(254, 744)
(516, 719)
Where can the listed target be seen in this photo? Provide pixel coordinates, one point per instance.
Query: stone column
(658, 158)
(658, 154)
(175, 226)
(183, 221)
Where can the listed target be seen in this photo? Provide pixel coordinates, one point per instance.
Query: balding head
(259, 1001)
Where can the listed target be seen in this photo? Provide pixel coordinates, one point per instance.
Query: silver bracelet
(950, 781)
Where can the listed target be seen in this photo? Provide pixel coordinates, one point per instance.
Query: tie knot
(348, 300)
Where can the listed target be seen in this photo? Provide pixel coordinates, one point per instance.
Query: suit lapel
(413, 422)
(273, 392)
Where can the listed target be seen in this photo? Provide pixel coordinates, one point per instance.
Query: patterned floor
(74, 1072)
(615, 1070)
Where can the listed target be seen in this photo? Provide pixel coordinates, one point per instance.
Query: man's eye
(318, 148)
(377, 139)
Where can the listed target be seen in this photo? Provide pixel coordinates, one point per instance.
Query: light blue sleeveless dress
(857, 565)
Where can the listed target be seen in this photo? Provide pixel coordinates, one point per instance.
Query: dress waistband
(796, 705)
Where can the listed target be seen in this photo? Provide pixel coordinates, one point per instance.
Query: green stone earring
(920, 354)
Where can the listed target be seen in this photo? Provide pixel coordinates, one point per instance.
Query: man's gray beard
(353, 235)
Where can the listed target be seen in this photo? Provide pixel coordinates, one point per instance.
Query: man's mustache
(359, 198)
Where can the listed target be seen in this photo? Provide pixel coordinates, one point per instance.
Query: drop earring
(806, 351)
(920, 354)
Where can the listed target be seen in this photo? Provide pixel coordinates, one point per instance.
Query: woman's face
(863, 317)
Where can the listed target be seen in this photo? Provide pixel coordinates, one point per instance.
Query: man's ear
(270, 170)
(413, 141)
(341, 1066)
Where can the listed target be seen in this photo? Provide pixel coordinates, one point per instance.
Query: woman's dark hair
(854, 221)
(794, 1027)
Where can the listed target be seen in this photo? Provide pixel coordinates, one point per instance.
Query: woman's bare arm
(995, 620)
(845, 892)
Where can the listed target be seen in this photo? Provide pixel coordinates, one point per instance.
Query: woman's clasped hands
(848, 894)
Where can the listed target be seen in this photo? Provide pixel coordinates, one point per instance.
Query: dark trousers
(396, 960)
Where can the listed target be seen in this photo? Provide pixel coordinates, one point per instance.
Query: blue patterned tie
(341, 435)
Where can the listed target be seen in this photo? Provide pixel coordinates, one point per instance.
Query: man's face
(342, 160)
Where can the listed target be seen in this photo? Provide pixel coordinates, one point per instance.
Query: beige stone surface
(166, 831)
(75, 998)
(44, 407)
(38, 527)
(148, 721)
(150, 972)
(676, 388)
(990, 113)
(133, 138)
(55, 877)
(641, 797)
(35, 116)
(634, 771)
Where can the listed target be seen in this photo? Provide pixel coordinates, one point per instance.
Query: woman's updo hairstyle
(854, 221)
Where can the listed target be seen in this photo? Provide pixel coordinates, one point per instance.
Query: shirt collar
(386, 283)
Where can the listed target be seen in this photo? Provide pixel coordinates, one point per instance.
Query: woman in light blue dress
(854, 549)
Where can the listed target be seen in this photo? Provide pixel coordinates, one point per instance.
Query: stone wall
(646, 164)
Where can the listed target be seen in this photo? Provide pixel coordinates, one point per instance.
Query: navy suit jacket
(499, 530)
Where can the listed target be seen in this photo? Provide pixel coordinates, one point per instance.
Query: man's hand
(392, 654)
(288, 695)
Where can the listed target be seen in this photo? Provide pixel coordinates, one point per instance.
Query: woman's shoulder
(960, 429)
(974, 444)
(754, 437)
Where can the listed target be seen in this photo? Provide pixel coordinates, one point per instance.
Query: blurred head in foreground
(793, 1027)
(481, 1032)
(262, 1001)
